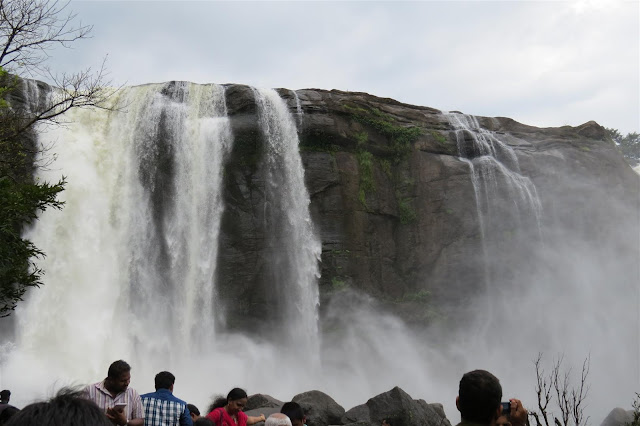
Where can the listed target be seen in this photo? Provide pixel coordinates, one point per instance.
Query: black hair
(479, 396)
(203, 421)
(5, 395)
(236, 394)
(164, 380)
(7, 413)
(293, 410)
(117, 369)
(193, 409)
(68, 408)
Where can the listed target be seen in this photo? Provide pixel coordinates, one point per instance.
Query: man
(277, 419)
(68, 408)
(113, 395)
(194, 412)
(161, 408)
(294, 411)
(479, 398)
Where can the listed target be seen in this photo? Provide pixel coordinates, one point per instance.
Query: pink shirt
(97, 393)
(220, 417)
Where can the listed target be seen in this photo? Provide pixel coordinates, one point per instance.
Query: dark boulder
(320, 408)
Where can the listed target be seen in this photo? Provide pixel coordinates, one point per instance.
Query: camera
(506, 408)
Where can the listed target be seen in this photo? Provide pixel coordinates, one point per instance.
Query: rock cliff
(400, 216)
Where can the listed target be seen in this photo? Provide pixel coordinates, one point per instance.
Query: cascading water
(295, 248)
(507, 202)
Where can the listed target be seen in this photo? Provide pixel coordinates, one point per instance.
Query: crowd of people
(113, 402)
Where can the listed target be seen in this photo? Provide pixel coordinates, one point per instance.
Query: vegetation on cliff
(629, 145)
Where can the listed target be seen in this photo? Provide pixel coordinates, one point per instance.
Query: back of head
(293, 410)
(7, 414)
(278, 419)
(117, 369)
(203, 421)
(5, 396)
(67, 408)
(164, 380)
(193, 409)
(479, 396)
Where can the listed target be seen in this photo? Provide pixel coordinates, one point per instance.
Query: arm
(137, 413)
(185, 417)
(251, 420)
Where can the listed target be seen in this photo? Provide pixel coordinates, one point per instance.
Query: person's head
(194, 412)
(5, 396)
(278, 419)
(68, 408)
(165, 380)
(7, 413)
(203, 421)
(294, 411)
(388, 422)
(118, 377)
(236, 400)
(503, 420)
(479, 397)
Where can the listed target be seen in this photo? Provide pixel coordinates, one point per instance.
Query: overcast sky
(545, 63)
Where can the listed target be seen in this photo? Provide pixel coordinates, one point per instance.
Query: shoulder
(243, 415)
(132, 393)
(148, 395)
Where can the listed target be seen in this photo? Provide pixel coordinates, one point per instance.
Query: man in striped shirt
(161, 408)
(113, 395)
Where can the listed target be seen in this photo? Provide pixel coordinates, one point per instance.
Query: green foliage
(338, 285)
(629, 145)
(422, 296)
(365, 167)
(636, 412)
(406, 211)
(19, 204)
(402, 138)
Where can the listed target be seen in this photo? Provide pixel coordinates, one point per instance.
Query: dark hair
(236, 394)
(164, 380)
(479, 396)
(5, 395)
(68, 408)
(193, 409)
(7, 413)
(203, 421)
(293, 410)
(117, 369)
(219, 401)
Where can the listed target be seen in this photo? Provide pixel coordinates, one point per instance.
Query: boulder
(320, 408)
(398, 405)
(618, 417)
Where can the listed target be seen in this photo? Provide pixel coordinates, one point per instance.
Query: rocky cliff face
(398, 210)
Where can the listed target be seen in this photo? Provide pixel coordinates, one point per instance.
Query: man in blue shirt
(161, 408)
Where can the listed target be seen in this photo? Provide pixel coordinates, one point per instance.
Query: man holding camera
(479, 403)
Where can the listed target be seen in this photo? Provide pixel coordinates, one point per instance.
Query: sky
(543, 63)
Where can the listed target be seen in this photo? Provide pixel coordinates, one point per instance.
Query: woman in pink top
(229, 412)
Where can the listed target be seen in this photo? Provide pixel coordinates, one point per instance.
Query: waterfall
(296, 249)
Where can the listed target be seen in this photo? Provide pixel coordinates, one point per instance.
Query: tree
(556, 387)
(29, 29)
(628, 145)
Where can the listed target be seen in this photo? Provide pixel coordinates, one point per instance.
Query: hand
(263, 418)
(518, 414)
(117, 416)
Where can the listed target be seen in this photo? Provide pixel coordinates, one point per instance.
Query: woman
(229, 412)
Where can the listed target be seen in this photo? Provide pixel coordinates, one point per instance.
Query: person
(194, 412)
(6, 410)
(278, 419)
(294, 411)
(203, 421)
(388, 422)
(113, 395)
(68, 408)
(503, 420)
(479, 398)
(228, 412)
(161, 408)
